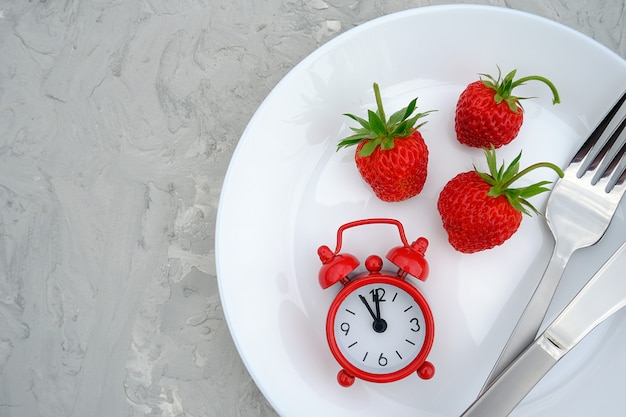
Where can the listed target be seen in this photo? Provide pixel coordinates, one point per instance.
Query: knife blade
(601, 297)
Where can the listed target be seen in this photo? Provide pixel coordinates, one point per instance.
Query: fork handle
(530, 321)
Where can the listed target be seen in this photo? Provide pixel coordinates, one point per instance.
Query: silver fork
(579, 210)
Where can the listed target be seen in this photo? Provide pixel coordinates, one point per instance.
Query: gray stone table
(117, 123)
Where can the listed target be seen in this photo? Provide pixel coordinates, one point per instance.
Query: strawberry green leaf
(362, 122)
(404, 129)
(355, 139)
(512, 169)
(377, 125)
(534, 189)
(403, 114)
(525, 203)
(369, 147)
(351, 140)
(386, 143)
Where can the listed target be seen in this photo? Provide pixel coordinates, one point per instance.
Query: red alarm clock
(379, 326)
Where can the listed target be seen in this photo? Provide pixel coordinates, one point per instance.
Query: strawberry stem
(379, 104)
(532, 167)
(544, 80)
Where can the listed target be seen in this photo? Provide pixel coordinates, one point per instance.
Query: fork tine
(605, 153)
(591, 150)
(622, 178)
(618, 166)
(612, 157)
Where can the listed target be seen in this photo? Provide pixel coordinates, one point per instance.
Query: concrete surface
(118, 120)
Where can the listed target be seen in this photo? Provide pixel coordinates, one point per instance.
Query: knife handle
(528, 325)
(510, 388)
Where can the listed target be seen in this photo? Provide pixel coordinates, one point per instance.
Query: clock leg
(344, 378)
(426, 371)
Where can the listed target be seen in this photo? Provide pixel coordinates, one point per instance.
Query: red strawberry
(488, 114)
(391, 155)
(480, 211)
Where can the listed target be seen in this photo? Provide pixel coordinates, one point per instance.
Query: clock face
(380, 327)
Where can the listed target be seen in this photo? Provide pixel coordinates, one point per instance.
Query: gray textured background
(117, 122)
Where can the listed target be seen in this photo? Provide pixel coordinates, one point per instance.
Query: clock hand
(379, 325)
(377, 302)
(368, 307)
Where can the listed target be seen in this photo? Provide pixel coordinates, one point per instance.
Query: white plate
(287, 191)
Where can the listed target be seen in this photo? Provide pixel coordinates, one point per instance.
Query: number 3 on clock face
(380, 328)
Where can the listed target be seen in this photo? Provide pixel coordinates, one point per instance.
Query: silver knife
(603, 295)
